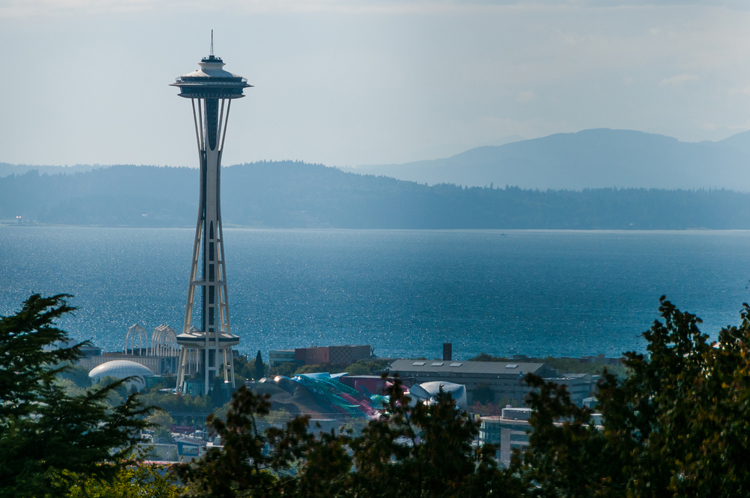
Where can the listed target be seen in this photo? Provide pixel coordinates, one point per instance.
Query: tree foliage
(161, 423)
(677, 425)
(287, 369)
(242, 465)
(137, 480)
(260, 367)
(44, 430)
(422, 451)
(182, 403)
(367, 367)
(249, 369)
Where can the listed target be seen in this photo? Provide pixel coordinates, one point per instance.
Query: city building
(335, 355)
(489, 381)
(511, 431)
(279, 356)
(580, 386)
(599, 359)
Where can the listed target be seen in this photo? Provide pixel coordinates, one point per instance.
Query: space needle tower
(206, 347)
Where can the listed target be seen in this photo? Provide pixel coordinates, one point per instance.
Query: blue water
(404, 292)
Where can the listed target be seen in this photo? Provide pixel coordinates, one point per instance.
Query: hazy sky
(358, 82)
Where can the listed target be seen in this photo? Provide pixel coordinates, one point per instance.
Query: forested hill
(294, 194)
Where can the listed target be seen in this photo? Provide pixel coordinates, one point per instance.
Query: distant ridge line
(289, 194)
(595, 158)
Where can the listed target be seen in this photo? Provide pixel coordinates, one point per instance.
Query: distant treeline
(300, 195)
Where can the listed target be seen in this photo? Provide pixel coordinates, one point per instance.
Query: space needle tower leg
(207, 348)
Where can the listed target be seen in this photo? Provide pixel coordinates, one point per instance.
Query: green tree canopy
(142, 480)
(677, 425)
(260, 368)
(43, 430)
(419, 451)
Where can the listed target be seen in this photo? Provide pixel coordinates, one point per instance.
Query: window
(437, 364)
(418, 364)
(511, 365)
(456, 364)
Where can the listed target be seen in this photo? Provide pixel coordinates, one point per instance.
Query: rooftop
(467, 367)
(120, 369)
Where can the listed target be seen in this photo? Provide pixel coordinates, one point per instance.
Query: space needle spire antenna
(206, 342)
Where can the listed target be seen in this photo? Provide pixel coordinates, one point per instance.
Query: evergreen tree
(43, 430)
(143, 481)
(260, 368)
(242, 466)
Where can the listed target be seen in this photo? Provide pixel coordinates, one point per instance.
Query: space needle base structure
(206, 350)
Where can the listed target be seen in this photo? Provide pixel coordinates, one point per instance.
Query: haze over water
(538, 293)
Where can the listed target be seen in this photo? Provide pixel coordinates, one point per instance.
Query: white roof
(480, 368)
(119, 369)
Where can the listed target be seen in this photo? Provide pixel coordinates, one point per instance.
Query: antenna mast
(212, 42)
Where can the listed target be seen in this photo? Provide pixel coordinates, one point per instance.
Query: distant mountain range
(599, 158)
(300, 195)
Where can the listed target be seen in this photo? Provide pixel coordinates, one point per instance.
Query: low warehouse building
(489, 381)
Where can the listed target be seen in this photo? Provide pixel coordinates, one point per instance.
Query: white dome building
(120, 369)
